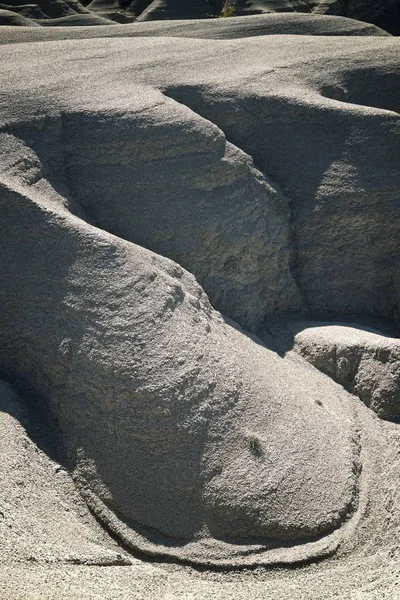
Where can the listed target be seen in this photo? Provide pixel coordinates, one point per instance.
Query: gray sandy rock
(88, 20)
(150, 385)
(43, 519)
(198, 200)
(30, 11)
(7, 17)
(177, 423)
(268, 6)
(364, 361)
(385, 14)
(188, 437)
(180, 9)
(336, 202)
(57, 8)
(44, 9)
(328, 7)
(240, 27)
(179, 189)
(120, 11)
(78, 7)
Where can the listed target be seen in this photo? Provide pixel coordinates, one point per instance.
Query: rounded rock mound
(175, 421)
(187, 435)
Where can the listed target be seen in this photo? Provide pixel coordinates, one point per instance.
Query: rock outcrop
(159, 199)
(42, 516)
(239, 27)
(361, 359)
(325, 204)
(385, 15)
(10, 18)
(179, 9)
(150, 385)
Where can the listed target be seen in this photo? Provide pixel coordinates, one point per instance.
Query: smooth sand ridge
(187, 436)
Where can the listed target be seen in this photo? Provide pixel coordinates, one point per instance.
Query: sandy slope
(261, 165)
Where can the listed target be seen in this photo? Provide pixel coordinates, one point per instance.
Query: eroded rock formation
(160, 199)
(384, 14)
(361, 359)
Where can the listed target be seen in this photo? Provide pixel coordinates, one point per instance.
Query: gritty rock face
(38, 497)
(8, 17)
(176, 9)
(315, 209)
(233, 231)
(384, 14)
(187, 435)
(176, 395)
(364, 361)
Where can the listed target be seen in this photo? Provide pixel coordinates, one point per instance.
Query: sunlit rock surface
(384, 14)
(162, 199)
(364, 361)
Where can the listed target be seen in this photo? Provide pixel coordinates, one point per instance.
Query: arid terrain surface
(385, 13)
(200, 300)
